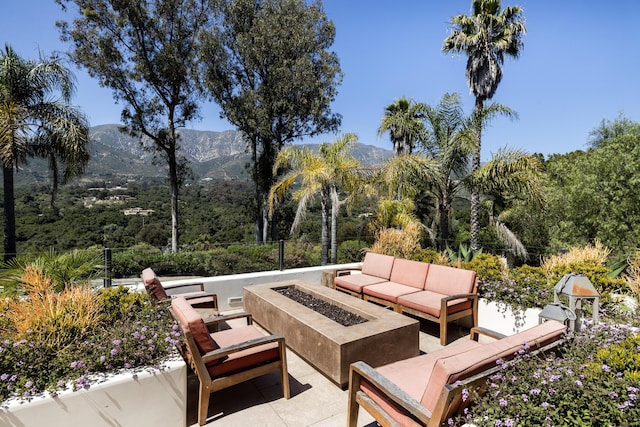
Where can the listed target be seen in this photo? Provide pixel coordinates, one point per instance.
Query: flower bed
(592, 379)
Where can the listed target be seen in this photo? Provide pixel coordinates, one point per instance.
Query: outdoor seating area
(434, 292)
(281, 386)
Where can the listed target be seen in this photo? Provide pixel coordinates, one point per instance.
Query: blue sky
(579, 66)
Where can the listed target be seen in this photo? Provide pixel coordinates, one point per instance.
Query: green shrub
(428, 255)
(351, 251)
(487, 267)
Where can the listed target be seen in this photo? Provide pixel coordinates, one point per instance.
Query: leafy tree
(146, 52)
(327, 171)
(404, 121)
(270, 69)
(485, 36)
(36, 120)
(593, 195)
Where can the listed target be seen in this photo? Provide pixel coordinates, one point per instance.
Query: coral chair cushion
(409, 272)
(377, 265)
(152, 284)
(245, 358)
(190, 319)
(449, 280)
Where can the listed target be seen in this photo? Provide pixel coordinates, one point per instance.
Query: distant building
(138, 211)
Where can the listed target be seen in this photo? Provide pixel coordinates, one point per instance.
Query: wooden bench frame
(450, 401)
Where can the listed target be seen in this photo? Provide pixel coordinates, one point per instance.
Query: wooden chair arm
(346, 271)
(184, 285)
(479, 330)
(470, 295)
(392, 391)
(224, 317)
(222, 352)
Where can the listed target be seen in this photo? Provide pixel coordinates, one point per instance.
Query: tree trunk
(9, 215)
(175, 186)
(335, 208)
(475, 165)
(444, 225)
(324, 236)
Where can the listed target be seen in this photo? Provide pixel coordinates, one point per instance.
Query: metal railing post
(107, 267)
(281, 254)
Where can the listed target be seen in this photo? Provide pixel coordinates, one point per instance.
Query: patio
(315, 400)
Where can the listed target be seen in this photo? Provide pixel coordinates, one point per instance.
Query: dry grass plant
(632, 275)
(54, 319)
(401, 243)
(595, 254)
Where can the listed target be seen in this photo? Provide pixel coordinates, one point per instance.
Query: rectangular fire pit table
(385, 337)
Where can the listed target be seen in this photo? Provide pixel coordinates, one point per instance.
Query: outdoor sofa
(427, 390)
(434, 292)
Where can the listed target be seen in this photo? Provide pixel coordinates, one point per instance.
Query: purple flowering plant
(592, 379)
(132, 334)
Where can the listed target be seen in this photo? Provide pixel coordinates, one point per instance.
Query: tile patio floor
(315, 400)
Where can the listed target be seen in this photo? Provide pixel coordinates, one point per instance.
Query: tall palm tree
(327, 171)
(36, 120)
(403, 121)
(485, 36)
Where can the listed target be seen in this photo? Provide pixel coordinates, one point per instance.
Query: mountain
(215, 155)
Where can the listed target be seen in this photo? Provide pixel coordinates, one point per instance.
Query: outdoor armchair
(198, 298)
(227, 357)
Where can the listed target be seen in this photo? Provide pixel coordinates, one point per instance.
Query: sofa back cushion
(152, 284)
(449, 280)
(191, 320)
(448, 370)
(377, 265)
(410, 273)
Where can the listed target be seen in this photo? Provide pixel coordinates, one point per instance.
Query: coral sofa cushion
(355, 282)
(410, 273)
(412, 376)
(539, 335)
(152, 284)
(449, 281)
(460, 367)
(242, 359)
(388, 291)
(377, 265)
(191, 320)
(431, 303)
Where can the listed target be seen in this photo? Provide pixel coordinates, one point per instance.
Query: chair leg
(443, 332)
(284, 373)
(353, 408)
(203, 405)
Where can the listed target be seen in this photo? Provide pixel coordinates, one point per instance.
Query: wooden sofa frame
(449, 403)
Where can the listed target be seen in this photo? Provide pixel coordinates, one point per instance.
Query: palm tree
(486, 36)
(403, 121)
(36, 120)
(450, 144)
(327, 171)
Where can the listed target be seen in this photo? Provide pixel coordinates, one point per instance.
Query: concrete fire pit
(330, 347)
